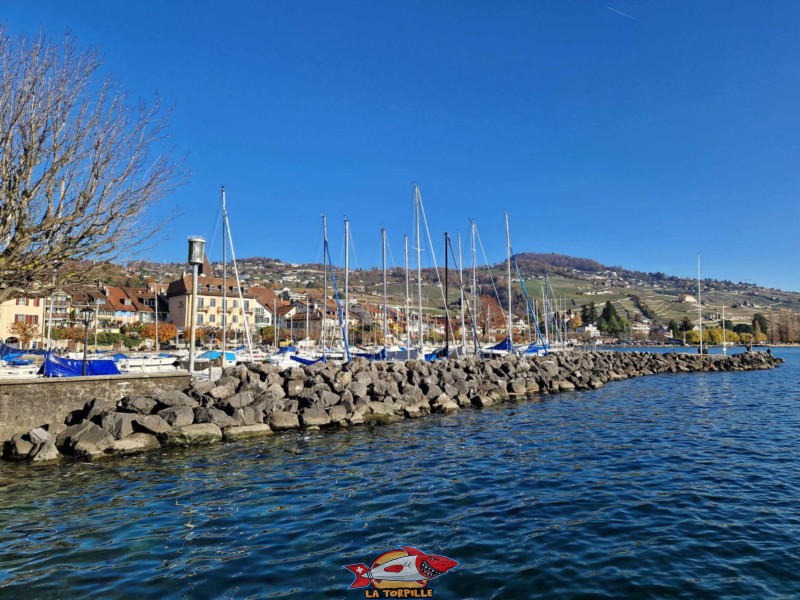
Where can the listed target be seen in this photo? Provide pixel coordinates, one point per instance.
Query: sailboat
(507, 345)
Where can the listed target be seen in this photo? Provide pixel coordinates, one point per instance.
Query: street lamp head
(86, 314)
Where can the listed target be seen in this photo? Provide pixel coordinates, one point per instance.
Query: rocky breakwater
(258, 399)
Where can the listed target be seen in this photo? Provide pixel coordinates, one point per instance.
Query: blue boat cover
(56, 366)
(119, 356)
(440, 353)
(19, 362)
(536, 349)
(504, 345)
(215, 354)
(372, 355)
(8, 351)
(308, 361)
(287, 350)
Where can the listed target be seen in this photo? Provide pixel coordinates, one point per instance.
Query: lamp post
(86, 315)
(197, 247)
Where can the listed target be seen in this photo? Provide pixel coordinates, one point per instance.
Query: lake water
(664, 486)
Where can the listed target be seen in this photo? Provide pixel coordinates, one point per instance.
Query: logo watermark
(403, 573)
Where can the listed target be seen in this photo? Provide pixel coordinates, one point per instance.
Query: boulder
(294, 386)
(328, 398)
(209, 414)
(481, 401)
(17, 448)
(45, 452)
(117, 424)
(220, 392)
(38, 435)
(152, 424)
(86, 440)
(172, 399)
(135, 442)
(177, 416)
(337, 414)
(314, 415)
(242, 432)
(198, 433)
(239, 400)
(281, 420)
(137, 404)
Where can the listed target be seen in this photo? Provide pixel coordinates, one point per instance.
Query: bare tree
(79, 166)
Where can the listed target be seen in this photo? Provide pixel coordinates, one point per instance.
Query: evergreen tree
(760, 323)
(686, 324)
(673, 326)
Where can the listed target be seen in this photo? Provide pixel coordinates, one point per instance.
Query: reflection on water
(664, 486)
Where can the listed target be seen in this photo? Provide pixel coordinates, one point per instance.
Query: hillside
(575, 281)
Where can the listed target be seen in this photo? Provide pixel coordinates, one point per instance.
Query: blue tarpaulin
(287, 350)
(504, 345)
(372, 355)
(55, 366)
(440, 353)
(308, 361)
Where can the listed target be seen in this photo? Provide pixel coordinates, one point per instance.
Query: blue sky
(638, 139)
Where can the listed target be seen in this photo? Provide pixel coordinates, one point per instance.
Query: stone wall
(28, 403)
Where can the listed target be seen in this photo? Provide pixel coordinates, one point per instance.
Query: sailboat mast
(346, 278)
(724, 341)
(699, 304)
(325, 280)
(383, 261)
(419, 261)
(474, 287)
(461, 293)
(446, 298)
(224, 273)
(508, 266)
(408, 299)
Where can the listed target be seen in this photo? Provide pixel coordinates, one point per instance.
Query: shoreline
(258, 400)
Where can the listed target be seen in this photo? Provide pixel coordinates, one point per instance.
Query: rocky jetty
(258, 399)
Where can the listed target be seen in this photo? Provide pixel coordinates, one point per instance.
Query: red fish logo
(406, 568)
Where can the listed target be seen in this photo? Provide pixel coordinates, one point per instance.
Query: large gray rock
(173, 398)
(17, 448)
(117, 424)
(282, 420)
(294, 386)
(328, 398)
(314, 416)
(337, 414)
(45, 452)
(221, 392)
(209, 414)
(85, 440)
(137, 404)
(136, 442)
(152, 424)
(245, 431)
(178, 416)
(198, 433)
(358, 389)
(37, 435)
(239, 400)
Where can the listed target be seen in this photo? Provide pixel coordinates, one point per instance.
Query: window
(200, 302)
(26, 319)
(247, 304)
(212, 318)
(36, 302)
(212, 303)
(199, 319)
(235, 319)
(22, 302)
(235, 303)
